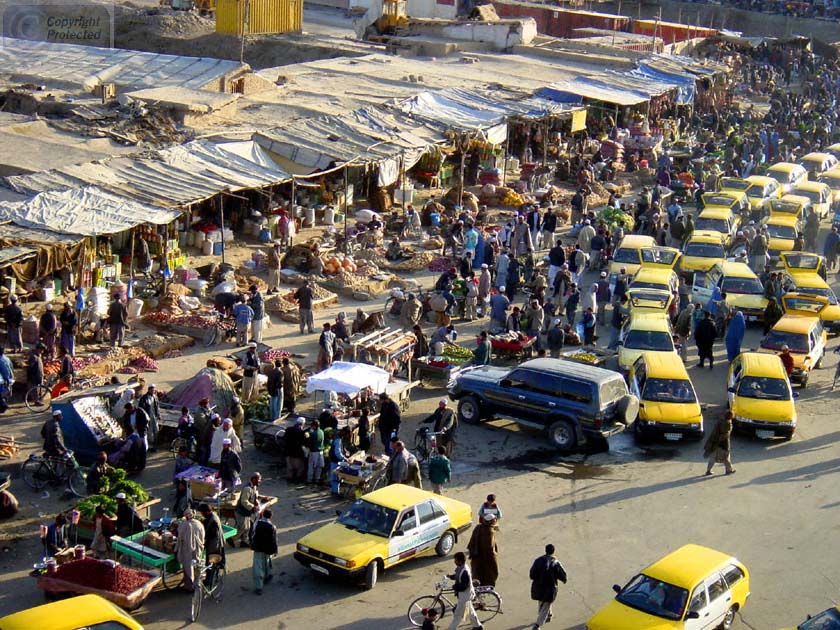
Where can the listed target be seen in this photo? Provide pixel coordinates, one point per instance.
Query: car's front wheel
(562, 435)
(728, 619)
(371, 574)
(469, 410)
(446, 543)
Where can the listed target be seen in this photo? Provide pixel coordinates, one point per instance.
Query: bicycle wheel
(195, 601)
(36, 474)
(38, 398)
(77, 483)
(487, 605)
(218, 584)
(427, 602)
(176, 444)
(212, 336)
(421, 449)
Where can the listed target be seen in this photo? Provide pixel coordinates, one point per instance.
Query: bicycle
(38, 471)
(189, 442)
(425, 444)
(39, 397)
(487, 603)
(223, 328)
(210, 583)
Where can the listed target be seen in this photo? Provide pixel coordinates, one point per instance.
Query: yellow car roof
(665, 365)
(833, 174)
(808, 279)
(649, 320)
(687, 566)
(784, 167)
(706, 236)
(816, 156)
(796, 323)
(637, 241)
(398, 496)
(734, 269)
(811, 187)
(715, 212)
(761, 180)
(654, 274)
(793, 198)
(762, 364)
(68, 614)
(782, 219)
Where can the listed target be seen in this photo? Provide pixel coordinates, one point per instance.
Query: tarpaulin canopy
(459, 109)
(171, 178)
(687, 85)
(348, 378)
(83, 211)
(578, 89)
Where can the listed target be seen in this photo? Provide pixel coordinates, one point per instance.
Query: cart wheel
(168, 579)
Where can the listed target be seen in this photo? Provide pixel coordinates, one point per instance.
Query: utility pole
(244, 28)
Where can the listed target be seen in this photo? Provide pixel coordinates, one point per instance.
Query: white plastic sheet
(348, 378)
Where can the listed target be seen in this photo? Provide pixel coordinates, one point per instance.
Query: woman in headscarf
(735, 335)
(119, 407)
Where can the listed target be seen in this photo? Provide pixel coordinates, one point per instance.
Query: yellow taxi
(733, 184)
(734, 200)
(792, 206)
(720, 220)
(644, 331)
(77, 613)
(805, 336)
(818, 193)
(817, 163)
(692, 588)
(381, 529)
(743, 289)
(834, 149)
(782, 230)
(702, 251)
(651, 300)
(762, 189)
(820, 306)
(787, 174)
(668, 406)
(628, 254)
(760, 396)
(827, 619)
(832, 180)
(655, 278)
(803, 264)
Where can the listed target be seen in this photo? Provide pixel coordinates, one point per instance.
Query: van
(817, 163)
(668, 405)
(818, 193)
(787, 174)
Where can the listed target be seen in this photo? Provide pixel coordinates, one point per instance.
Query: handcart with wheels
(361, 474)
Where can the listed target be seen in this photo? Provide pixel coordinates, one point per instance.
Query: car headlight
(340, 562)
(303, 548)
(743, 419)
(694, 425)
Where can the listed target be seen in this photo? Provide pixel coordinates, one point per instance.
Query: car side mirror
(693, 615)
(617, 588)
(505, 382)
(795, 395)
(731, 390)
(399, 532)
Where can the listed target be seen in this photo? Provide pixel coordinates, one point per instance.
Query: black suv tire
(562, 435)
(469, 410)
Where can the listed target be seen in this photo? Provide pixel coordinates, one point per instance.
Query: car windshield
(745, 286)
(626, 255)
(780, 176)
(764, 388)
(802, 261)
(756, 191)
(649, 340)
(781, 231)
(825, 292)
(728, 183)
(670, 390)
(775, 339)
(654, 597)
(796, 303)
(832, 182)
(368, 518)
(705, 250)
(784, 207)
(641, 284)
(718, 200)
(826, 620)
(816, 196)
(715, 225)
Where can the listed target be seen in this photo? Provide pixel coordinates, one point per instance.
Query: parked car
(644, 332)
(806, 338)
(743, 289)
(701, 252)
(86, 612)
(381, 529)
(826, 620)
(787, 174)
(760, 396)
(820, 306)
(692, 588)
(572, 402)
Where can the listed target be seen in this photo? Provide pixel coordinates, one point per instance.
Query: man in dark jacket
(294, 439)
(214, 540)
(389, 420)
(69, 321)
(444, 425)
(705, 334)
(14, 320)
(150, 404)
(545, 573)
(274, 385)
(53, 440)
(264, 545)
(304, 297)
(117, 320)
(47, 327)
(230, 466)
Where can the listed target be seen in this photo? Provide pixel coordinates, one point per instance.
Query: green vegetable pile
(87, 507)
(113, 482)
(258, 410)
(613, 217)
(456, 354)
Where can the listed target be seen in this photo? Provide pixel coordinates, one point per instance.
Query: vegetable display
(258, 410)
(457, 355)
(273, 355)
(613, 217)
(87, 506)
(112, 483)
(584, 357)
(102, 576)
(145, 363)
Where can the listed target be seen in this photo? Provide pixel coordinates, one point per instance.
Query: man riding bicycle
(53, 439)
(445, 424)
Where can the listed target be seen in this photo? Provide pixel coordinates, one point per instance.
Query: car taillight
(598, 421)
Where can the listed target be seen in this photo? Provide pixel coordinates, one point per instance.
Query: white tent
(348, 378)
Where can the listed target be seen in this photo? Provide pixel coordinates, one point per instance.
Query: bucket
(329, 215)
(309, 214)
(79, 552)
(135, 307)
(207, 248)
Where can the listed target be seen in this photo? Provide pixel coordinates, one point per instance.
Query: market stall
(87, 425)
(512, 346)
(441, 368)
(388, 348)
(210, 383)
(361, 473)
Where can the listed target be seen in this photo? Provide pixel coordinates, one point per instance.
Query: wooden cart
(431, 375)
(513, 350)
(600, 355)
(388, 348)
(358, 477)
(54, 587)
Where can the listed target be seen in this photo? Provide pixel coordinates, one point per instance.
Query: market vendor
(358, 321)
(394, 251)
(103, 529)
(151, 405)
(225, 432)
(441, 337)
(421, 343)
(96, 473)
(56, 538)
(128, 520)
(410, 312)
(181, 503)
(328, 418)
(230, 466)
(132, 453)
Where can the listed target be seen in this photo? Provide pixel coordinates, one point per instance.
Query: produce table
(515, 349)
(426, 371)
(591, 355)
(85, 528)
(134, 549)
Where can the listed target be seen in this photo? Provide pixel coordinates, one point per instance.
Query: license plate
(752, 318)
(673, 436)
(765, 435)
(320, 569)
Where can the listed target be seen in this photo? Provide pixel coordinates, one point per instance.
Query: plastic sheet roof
(348, 378)
(18, 253)
(89, 66)
(83, 211)
(575, 90)
(172, 177)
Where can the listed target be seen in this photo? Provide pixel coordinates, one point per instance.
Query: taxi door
(433, 521)
(704, 285)
(405, 539)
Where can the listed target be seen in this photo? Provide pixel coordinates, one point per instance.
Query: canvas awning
(83, 211)
(16, 254)
(348, 378)
(578, 89)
